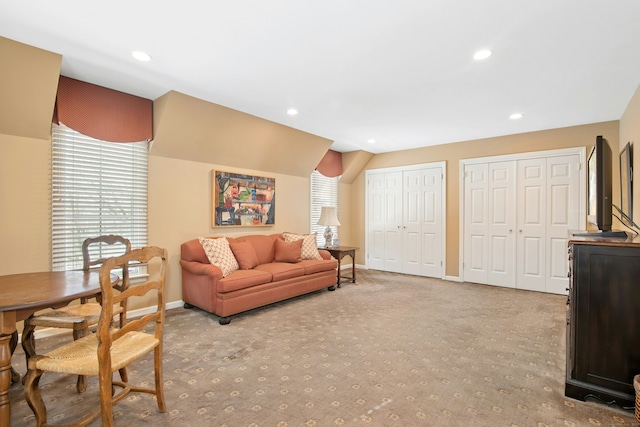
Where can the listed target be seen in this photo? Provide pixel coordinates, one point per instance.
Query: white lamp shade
(329, 216)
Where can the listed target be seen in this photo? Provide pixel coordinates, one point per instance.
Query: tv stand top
(610, 233)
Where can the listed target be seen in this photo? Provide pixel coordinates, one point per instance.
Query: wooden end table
(339, 252)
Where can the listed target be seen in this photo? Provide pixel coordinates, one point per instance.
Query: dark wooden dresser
(603, 319)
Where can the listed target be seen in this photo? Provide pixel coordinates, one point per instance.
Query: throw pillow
(288, 251)
(219, 254)
(309, 244)
(245, 254)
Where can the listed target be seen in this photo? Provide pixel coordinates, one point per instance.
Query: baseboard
(453, 279)
(348, 266)
(49, 332)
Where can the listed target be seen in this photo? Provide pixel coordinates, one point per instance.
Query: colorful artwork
(243, 200)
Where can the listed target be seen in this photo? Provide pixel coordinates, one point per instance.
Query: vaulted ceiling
(400, 72)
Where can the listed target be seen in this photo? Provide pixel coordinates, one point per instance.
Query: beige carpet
(390, 350)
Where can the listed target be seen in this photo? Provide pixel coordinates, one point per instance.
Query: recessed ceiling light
(482, 54)
(292, 111)
(141, 56)
(371, 141)
(515, 116)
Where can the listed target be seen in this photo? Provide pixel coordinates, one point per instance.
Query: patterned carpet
(390, 350)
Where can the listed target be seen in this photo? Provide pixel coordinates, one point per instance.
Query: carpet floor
(389, 350)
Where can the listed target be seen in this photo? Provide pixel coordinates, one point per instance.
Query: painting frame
(242, 200)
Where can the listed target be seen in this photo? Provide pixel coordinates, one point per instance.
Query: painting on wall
(243, 200)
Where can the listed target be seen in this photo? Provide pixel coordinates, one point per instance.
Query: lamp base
(328, 237)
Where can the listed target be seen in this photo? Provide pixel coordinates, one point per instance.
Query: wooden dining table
(22, 295)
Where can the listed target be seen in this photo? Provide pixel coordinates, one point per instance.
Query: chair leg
(28, 342)
(33, 396)
(157, 362)
(81, 383)
(105, 384)
(13, 343)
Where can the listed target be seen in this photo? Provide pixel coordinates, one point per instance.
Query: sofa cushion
(309, 244)
(241, 279)
(262, 244)
(245, 254)
(282, 270)
(219, 254)
(314, 266)
(288, 251)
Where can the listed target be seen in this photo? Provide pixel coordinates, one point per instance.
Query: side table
(340, 252)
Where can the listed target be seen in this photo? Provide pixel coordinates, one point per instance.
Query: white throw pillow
(219, 253)
(309, 244)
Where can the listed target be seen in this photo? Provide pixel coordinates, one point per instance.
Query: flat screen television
(599, 202)
(626, 185)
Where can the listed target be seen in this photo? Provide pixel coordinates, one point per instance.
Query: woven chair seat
(67, 317)
(80, 357)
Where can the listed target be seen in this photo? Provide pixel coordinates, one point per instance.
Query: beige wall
(630, 132)
(180, 208)
(24, 205)
(577, 136)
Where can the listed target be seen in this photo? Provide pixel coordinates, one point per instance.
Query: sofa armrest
(199, 283)
(201, 269)
(324, 254)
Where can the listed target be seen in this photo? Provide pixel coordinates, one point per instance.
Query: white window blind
(97, 188)
(324, 192)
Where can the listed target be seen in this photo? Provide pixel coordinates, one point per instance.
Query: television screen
(626, 185)
(599, 214)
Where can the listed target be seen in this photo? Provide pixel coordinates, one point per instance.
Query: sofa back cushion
(288, 251)
(244, 253)
(263, 245)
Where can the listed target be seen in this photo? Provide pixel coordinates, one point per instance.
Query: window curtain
(101, 113)
(331, 164)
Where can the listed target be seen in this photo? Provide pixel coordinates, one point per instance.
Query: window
(97, 188)
(324, 192)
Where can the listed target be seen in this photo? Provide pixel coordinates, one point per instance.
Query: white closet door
(412, 223)
(393, 250)
(532, 216)
(431, 227)
(501, 224)
(563, 180)
(376, 221)
(476, 223)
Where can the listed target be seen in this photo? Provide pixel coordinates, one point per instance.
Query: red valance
(102, 113)
(331, 164)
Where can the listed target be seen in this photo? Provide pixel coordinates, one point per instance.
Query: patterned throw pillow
(309, 244)
(219, 253)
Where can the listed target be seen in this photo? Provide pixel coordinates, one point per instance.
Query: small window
(324, 192)
(97, 188)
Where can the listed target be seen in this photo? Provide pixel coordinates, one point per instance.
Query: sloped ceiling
(192, 129)
(28, 85)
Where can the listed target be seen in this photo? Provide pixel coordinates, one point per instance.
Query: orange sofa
(204, 286)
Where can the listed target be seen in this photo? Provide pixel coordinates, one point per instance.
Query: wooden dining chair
(80, 318)
(110, 348)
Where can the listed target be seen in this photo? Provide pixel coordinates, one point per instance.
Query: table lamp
(328, 217)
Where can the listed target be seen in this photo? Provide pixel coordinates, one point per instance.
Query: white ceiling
(398, 71)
